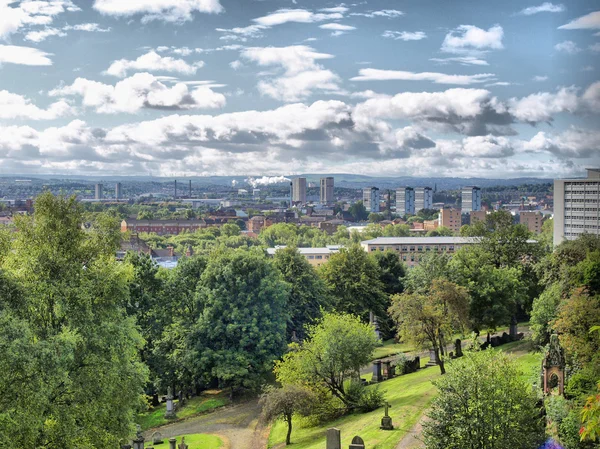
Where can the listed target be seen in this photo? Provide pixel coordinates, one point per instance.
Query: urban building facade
(118, 191)
(299, 190)
(531, 219)
(315, 256)
(423, 198)
(471, 199)
(371, 199)
(405, 201)
(99, 193)
(326, 190)
(477, 215)
(451, 219)
(577, 206)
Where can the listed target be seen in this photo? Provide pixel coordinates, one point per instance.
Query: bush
(364, 399)
(568, 431)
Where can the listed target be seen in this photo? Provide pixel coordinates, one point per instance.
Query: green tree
(429, 319)
(242, 319)
(70, 375)
(375, 217)
(352, 278)
(431, 266)
(358, 211)
(544, 312)
(335, 349)
(284, 403)
(307, 292)
(483, 403)
(230, 230)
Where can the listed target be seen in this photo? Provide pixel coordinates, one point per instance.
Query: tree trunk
(441, 365)
(288, 437)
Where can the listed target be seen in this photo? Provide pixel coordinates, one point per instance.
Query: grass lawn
(390, 348)
(208, 400)
(409, 395)
(199, 441)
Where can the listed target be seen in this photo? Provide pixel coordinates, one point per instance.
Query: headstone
(433, 358)
(170, 413)
(334, 439)
(157, 438)
(373, 321)
(182, 445)
(172, 443)
(386, 421)
(458, 348)
(377, 377)
(387, 369)
(181, 398)
(138, 442)
(357, 443)
(513, 329)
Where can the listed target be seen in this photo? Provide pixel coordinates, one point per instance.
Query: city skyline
(221, 87)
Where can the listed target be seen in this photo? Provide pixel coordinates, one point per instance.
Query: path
(413, 439)
(237, 423)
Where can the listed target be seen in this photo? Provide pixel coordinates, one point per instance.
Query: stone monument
(386, 421)
(357, 443)
(334, 439)
(553, 367)
(138, 442)
(172, 443)
(458, 348)
(377, 377)
(170, 413)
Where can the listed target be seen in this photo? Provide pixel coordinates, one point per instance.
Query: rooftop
(421, 240)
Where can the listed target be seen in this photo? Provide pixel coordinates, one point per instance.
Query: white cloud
(336, 27)
(471, 39)
(14, 15)
(241, 34)
(390, 13)
(282, 16)
(591, 97)
(89, 27)
(463, 60)
(595, 47)
(302, 75)
(14, 106)
(567, 47)
(574, 142)
(544, 7)
(500, 83)
(542, 106)
(590, 21)
(404, 35)
(153, 62)
(235, 65)
(166, 10)
(539, 78)
(340, 9)
(438, 78)
(13, 54)
(41, 35)
(142, 90)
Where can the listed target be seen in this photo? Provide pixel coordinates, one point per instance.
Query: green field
(207, 401)
(409, 396)
(199, 441)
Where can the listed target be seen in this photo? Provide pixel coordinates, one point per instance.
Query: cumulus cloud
(41, 35)
(574, 142)
(15, 15)
(302, 75)
(544, 7)
(542, 106)
(438, 78)
(471, 39)
(166, 10)
(590, 21)
(13, 54)
(591, 97)
(142, 90)
(567, 47)
(153, 62)
(404, 35)
(14, 106)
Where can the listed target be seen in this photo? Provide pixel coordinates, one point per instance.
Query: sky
(461, 88)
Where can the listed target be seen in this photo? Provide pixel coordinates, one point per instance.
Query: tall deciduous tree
(483, 403)
(429, 319)
(240, 329)
(307, 290)
(70, 372)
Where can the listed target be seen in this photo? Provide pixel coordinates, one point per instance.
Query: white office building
(423, 198)
(471, 199)
(577, 206)
(405, 201)
(371, 199)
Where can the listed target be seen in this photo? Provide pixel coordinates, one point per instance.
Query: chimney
(171, 251)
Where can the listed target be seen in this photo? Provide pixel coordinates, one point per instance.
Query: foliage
(352, 278)
(431, 266)
(284, 403)
(484, 404)
(545, 309)
(428, 319)
(358, 211)
(70, 374)
(335, 349)
(590, 418)
(240, 329)
(375, 217)
(442, 231)
(307, 292)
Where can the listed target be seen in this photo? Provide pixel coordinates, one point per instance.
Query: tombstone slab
(334, 439)
(377, 377)
(357, 443)
(172, 443)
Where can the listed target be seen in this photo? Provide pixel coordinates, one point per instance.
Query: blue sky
(224, 87)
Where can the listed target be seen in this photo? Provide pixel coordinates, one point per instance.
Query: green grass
(207, 401)
(390, 348)
(198, 441)
(409, 395)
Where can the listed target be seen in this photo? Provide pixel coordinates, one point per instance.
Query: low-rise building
(451, 219)
(162, 227)
(256, 223)
(477, 215)
(532, 219)
(315, 256)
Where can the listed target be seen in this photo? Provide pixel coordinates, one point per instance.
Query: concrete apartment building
(471, 199)
(477, 215)
(423, 198)
(405, 201)
(577, 206)
(99, 193)
(412, 249)
(326, 190)
(531, 219)
(118, 191)
(315, 256)
(371, 199)
(299, 190)
(451, 219)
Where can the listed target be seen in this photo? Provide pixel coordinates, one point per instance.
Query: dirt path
(237, 424)
(414, 438)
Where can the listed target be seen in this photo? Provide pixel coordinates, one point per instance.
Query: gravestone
(334, 439)
(172, 443)
(181, 398)
(138, 442)
(458, 348)
(157, 438)
(386, 421)
(513, 329)
(377, 377)
(373, 321)
(357, 443)
(387, 369)
(433, 358)
(170, 413)
(182, 445)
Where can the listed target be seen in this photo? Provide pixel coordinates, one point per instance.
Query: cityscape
(254, 224)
